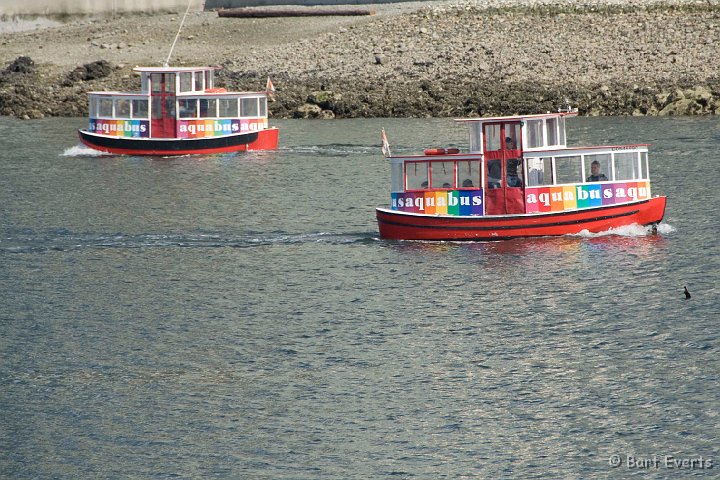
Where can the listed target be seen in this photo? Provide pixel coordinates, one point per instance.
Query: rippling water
(237, 317)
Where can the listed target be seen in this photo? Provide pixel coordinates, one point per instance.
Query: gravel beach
(413, 59)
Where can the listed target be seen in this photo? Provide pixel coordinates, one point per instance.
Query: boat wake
(63, 240)
(82, 151)
(633, 230)
(331, 150)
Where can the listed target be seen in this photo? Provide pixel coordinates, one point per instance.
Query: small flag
(385, 144)
(270, 88)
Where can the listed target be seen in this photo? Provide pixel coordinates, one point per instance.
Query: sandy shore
(441, 58)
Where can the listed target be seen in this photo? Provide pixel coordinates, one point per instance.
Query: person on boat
(510, 143)
(424, 184)
(467, 183)
(513, 180)
(494, 174)
(595, 175)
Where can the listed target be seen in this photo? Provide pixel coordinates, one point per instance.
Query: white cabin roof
(515, 117)
(173, 69)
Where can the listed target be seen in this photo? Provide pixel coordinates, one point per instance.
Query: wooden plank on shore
(256, 12)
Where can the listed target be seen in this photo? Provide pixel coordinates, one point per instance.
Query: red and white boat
(517, 179)
(178, 111)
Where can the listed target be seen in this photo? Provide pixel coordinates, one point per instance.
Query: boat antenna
(167, 62)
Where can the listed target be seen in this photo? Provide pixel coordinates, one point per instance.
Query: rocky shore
(442, 58)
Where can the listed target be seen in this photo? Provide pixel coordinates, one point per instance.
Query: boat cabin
(177, 103)
(518, 165)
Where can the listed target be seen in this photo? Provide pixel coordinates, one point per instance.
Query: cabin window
(551, 131)
(169, 83)
(492, 138)
(442, 174)
(208, 107)
(140, 108)
(494, 174)
(539, 171)
(209, 77)
(188, 108)
(643, 165)
(156, 79)
(122, 107)
(475, 129)
(228, 107)
(145, 83)
(396, 177)
(186, 81)
(156, 110)
(561, 130)
(263, 107)
(249, 107)
(416, 175)
(512, 136)
(468, 174)
(514, 172)
(534, 133)
(105, 107)
(568, 169)
(603, 160)
(199, 77)
(626, 166)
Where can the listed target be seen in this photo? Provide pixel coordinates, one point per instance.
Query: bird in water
(687, 294)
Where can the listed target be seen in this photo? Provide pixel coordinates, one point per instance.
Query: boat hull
(397, 225)
(263, 140)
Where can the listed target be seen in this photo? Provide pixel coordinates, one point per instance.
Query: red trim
(410, 226)
(267, 140)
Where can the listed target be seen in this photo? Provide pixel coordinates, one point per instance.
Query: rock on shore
(446, 59)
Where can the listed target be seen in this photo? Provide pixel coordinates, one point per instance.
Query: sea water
(237, 316)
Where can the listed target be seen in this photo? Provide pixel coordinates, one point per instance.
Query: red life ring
(434, 151)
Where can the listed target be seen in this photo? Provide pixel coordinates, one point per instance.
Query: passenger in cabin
(513, 179)
(424, 184)
(494, 174)
(510, 144)
(447, 185)
(467, 183)
(595, 174)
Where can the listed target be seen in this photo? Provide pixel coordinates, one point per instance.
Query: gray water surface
(237, 317)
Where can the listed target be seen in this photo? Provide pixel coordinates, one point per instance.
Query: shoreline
(412, 59)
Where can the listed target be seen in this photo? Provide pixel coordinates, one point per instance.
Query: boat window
(494, 174)
(534, 133)
(170, 83)
(188, 107)
(263, 107)
(140, 108)
(468, 174)
(228, 107)
(156, 110)
(249, 107)
(169, 107)
(199, 77)
(551, 131)
(185, 81)
(626, 166)
(396, 177)
(644, 165)
(512, 132)
(561, 131)
(416, 175)
(144, 83)
(475, 129)
(514, 172)
(122, 107)
(209, 79)
(492, 137)
(603, 174)
(568, 169)
(156, 79)
(442, 174)
(539, 171)
(208, 107)
(105, 107)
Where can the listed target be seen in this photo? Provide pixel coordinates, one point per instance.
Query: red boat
(178, 111)
(517, 179)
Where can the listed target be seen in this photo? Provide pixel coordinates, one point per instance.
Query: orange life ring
(435, 151)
